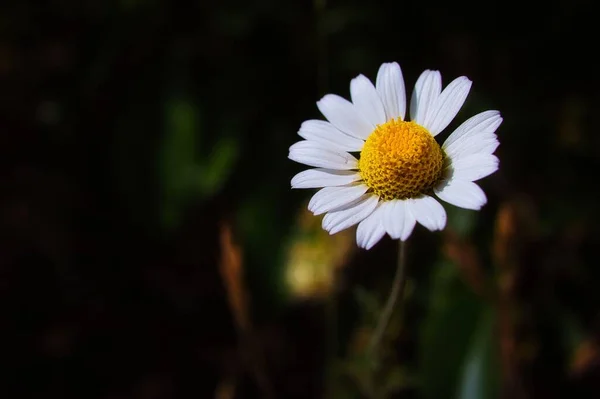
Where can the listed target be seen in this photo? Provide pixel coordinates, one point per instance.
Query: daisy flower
(390, 185)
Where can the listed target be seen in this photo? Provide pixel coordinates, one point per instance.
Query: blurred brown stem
(231, 268)
(397, 292)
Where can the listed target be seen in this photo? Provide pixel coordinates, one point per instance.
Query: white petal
(325, 133)
(350, 214)
(366, 100)
(409, 224)
(483, 143)
(330, 198)
(464, 194)
(429, 212)
(474, 167)
(393, 218)
(315, 154)
(390, 86)
(447, 105)
(398, 220)
(370, 230)
(342, 114)
(483, 124)
(427, 90)
(317, 178)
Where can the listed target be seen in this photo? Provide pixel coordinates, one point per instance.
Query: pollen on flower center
(400, 160)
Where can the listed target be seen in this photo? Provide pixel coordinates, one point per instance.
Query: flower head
(390, 186)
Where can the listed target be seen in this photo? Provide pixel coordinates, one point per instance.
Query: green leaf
(480, 370)
(178, 164)
(213, 174)
(447, 332)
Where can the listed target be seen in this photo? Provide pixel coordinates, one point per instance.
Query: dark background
(150, 245)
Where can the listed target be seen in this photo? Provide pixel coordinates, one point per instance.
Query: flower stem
(397, 292)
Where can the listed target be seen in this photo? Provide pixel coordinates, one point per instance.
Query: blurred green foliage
(458, 345)
(132, 131)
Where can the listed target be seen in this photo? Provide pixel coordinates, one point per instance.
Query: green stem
(397, 292)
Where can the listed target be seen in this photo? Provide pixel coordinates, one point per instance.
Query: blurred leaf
(480, 370)
(178, 164)
(448, 332)
(185, 174)
(218, 165)
(180, 142)
(193, 165)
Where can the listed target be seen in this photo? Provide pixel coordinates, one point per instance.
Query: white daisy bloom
(389, 187)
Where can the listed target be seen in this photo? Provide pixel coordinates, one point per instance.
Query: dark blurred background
(151, 246)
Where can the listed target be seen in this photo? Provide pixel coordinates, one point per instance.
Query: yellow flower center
(400, 160)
